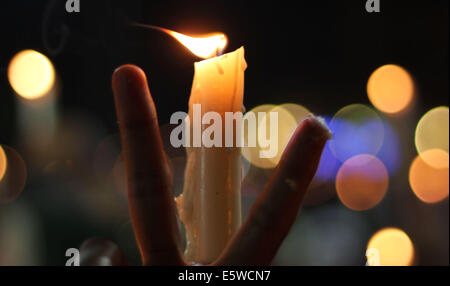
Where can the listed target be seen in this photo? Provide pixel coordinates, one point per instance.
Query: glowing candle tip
(203, 46)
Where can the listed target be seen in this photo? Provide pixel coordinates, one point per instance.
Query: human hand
(150, 182)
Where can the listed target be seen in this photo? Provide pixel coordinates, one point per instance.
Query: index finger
(273, 214)
(149, 177)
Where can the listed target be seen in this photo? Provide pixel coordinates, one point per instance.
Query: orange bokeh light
(362, 182)
(432, 132)
(428, 182)
(3, 163)
(390, 88)
(14, 179)
(390, 247)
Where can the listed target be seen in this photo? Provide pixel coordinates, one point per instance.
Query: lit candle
(210, 205)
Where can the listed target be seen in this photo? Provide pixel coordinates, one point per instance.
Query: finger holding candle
(210, 204)
(149, 177)
(273, 214)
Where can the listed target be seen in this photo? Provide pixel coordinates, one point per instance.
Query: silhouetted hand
(150, 194)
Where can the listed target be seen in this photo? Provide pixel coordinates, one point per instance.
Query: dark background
(315, 53)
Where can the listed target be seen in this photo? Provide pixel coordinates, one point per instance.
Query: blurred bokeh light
(430, 183)
(14, 178)
(432, 131)
(322, 187)
(390, 88)
(328, 166)
(357, 129)
(297, 111)
(3, 163)
(289, 116)
(287, 124)
(251, 154)
(390, 152)
(31, 74)
(362, 182)
(392, 246)
(436, 158)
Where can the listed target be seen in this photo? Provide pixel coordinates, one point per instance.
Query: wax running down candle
(210, 205)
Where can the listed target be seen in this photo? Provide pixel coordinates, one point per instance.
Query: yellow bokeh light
(286, 128)
(289, 115)
(436, 158)
(31, 74)
(252, 154)
(297, 111)
(391, 247)
(430, 183)
(390, 88)
(3, 163)
(362, 182)
(432, 131)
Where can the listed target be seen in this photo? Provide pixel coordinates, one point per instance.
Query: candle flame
(203, 46)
